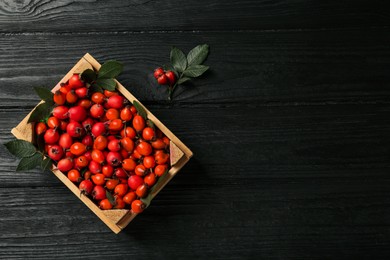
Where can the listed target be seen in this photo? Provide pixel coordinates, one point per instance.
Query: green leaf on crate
(195, 71)
(96, 88)
(42, 111)
(150, 124)
(46, 164)
(110, 198)
(45, 94)
(20, 148)
(198, 55)
(140, 109)
(106, 83)
(88, 76)
(110, 69)
(29, 163)
(178, 59)
(182, 80)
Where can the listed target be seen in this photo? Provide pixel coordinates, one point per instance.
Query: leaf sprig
(187, 67)
(104, 78)
(30, 156)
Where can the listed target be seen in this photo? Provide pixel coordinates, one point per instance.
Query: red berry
(138, 123)
(61, 112)
(86, 187)
(158, 72)
(98, 179)
(81, 92)
(171, 77)
(115, 102)
(105, 204)
(114, 145)
(56, 152)
(99, 193)
(121, 189)
(88, 123)
(95, 167)
(148, 133)
(137, 206)
(87, 140)
(59, 98)
(51, 136)
(163, 80)
(75, 129)
(98, 128)
(40, 128)
(65, 141)
(120, 173)
(74, 175)
(144, 148)
(114, 158)
(96, 111)
(65, 164)
(75, 82)
(135, 181)
(77, 113)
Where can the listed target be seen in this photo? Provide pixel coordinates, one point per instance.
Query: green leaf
(198, 55)
(108, 84)
(46, 164)
(88, 75)
(42, 111)
(178, 59)
(110, 198)
(140, 109)
(110, 69)
(195, 71)
(150, 124)
(20, 148)
(182, 80)
(45, 94)
(96, 88)
(29, 163)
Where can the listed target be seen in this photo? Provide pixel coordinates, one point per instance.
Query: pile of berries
(165, 77)
(104, 146)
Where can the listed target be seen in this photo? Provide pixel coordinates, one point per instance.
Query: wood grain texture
(344, 65)
(150, 15)
(289, 128)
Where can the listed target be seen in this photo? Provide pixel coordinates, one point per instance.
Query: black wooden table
(290, 128)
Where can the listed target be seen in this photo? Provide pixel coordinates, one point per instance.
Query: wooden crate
(115, 219)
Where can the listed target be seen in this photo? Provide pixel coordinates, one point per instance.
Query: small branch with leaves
(182, 68)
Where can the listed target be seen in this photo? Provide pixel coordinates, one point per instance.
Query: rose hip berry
(75, 82)
(137, 206)
(135, 181)
(61, 112)
(163, 80)
(51, 136)
(55, 152)
(86, 187)
(171, 77)
(158, 72)
(77, 113)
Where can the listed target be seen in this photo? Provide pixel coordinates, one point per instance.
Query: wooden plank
(118, 16)
(281, 143)
(315, 67)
